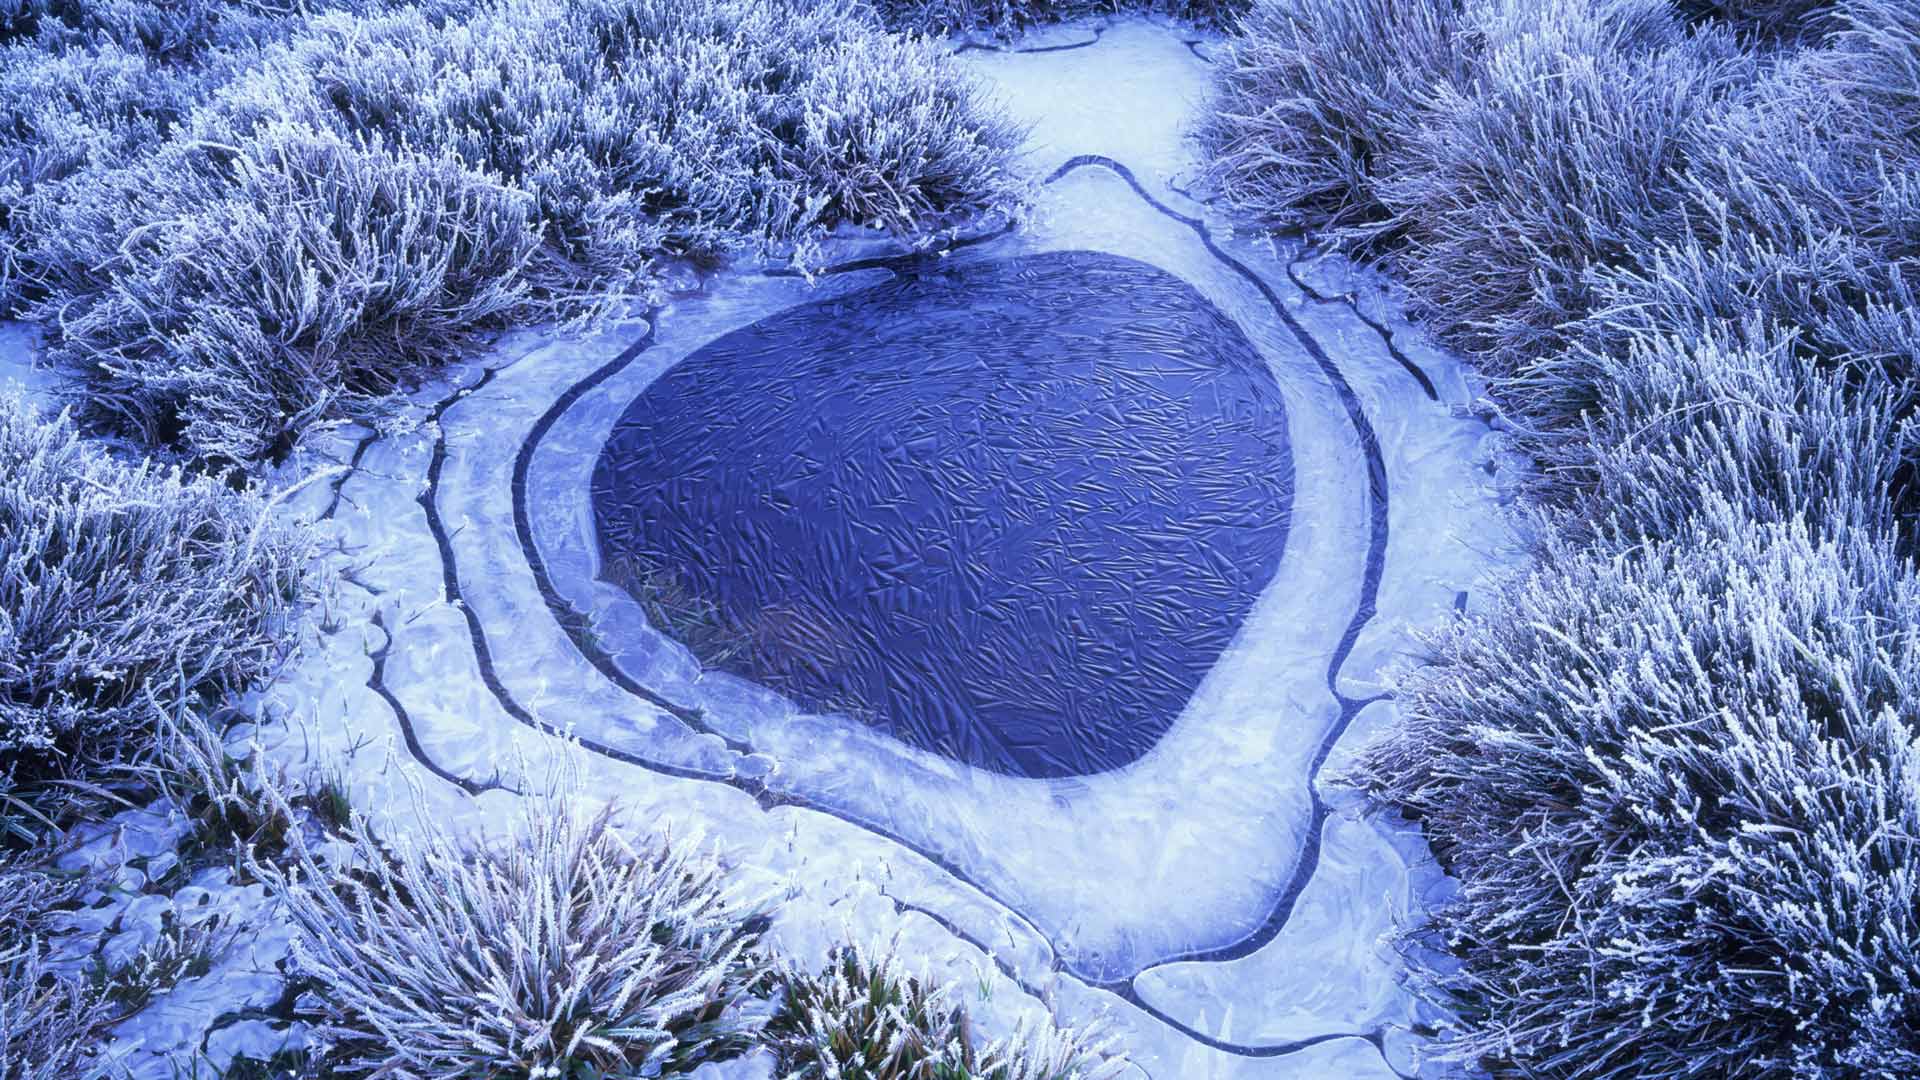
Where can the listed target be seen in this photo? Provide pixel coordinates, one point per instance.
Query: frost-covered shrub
(1689, 422)
(1801, 233)
(566, 951)
(340, 217)
(62, 111)
(49, 1023)
(181, 32)
(1557, 155)
(1672, 765)
(1677, 781)
(683, 125)
(1311, 94)
(1767, 18)
(172, 32)
(266, 284)
(123, 585)
(865, 1018)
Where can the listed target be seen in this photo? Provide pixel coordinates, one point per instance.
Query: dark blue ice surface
(1010, 511)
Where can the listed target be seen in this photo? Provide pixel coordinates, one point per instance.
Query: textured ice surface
(1215, 896)
(205, 1018)
(1010, 511)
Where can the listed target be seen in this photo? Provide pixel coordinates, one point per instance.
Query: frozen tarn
(1216, 898)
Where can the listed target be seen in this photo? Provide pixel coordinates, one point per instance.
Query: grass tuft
(564, 951)
(865, 1018)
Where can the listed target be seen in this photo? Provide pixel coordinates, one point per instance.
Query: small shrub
(121, 585)
(61, 112)
(304, 273)
(1312, 95)
(172, 33)
(863, 1018)
(1677, 782)
(356, 206)
(1767, 19)
(564, 952)
(1559, 155)
(1685, 425)
(1006, 17)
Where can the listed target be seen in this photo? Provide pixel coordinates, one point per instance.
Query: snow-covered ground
(1221, 900)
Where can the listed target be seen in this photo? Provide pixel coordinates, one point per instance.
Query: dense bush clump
(175, 32)
(1312, 95)
(1765, 19)
(124, 587)
(565, 951)
(864, 1018)
(1557, 155)
(1678, 782)
(61, 111)
(332, 215)
(1672, 764)
(99, 82)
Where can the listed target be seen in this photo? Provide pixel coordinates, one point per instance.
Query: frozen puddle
(1010, 511)
(1014, 603)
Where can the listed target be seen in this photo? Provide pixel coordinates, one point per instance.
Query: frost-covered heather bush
(122, 585)
(1311, 93)
(1558, 154)
(99, 82)
(171, 32)
(1512, 143)
(179, 32)
(265, 286)
(354, 208)
(1689, 422)
(1672, 765)
(61, 111)
(649, 125)
(568, 949)
(1767, 18)
(1678, 783)
(865, 1018)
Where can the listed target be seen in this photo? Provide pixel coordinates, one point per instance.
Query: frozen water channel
(1016, 603)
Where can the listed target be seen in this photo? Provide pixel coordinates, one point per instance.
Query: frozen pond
(1008, 511)
(1017, 601)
